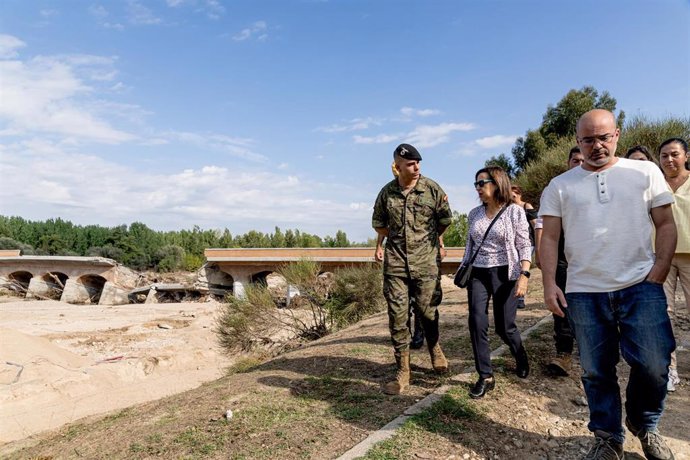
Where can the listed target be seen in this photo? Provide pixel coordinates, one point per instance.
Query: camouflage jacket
(413, 221)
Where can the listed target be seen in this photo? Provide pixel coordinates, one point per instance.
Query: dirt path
(320, 400)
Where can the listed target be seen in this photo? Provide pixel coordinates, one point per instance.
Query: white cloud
(233, 146)
(432, 135)
(358, 206)
(379, 139)
(139, 14)
(98, 11)
(212, 8)
(462, 198)
(492, 142)
(47, 94)
(9, 45)
(48, 13)
(257, 30)
(114, 26)
(411, 112)
(356, 124)
(43, 180)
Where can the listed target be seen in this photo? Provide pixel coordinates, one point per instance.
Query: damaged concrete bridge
(237, 267)
(97, 280)
(94, 280)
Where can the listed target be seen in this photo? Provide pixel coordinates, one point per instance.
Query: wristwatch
(526, 273)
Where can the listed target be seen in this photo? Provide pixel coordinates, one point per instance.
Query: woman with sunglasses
(500, 271)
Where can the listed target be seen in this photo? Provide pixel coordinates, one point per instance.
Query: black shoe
(482, 387)
(417, 342)
(522, 364)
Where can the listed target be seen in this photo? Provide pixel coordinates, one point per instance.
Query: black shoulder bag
(462, 276)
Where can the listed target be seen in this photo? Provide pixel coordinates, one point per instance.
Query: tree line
(141, 248)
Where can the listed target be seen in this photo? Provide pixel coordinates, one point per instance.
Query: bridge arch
(260, 277)
(19, 280)
(55, 284)
(94, 285)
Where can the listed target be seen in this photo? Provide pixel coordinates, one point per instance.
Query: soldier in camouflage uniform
(411, 211)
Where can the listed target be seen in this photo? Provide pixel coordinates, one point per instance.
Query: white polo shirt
(607, 223)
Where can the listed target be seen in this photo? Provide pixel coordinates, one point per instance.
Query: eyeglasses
(590, 141)
(482, 182)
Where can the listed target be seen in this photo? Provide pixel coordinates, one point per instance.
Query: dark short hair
(683, 143)
(642, 149)
(680, 141)
(572, 152)
(502, 182)
(516, 188)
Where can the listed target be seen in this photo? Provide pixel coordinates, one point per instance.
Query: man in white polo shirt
(607, 209)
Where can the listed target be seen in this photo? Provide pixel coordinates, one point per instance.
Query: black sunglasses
(482, 182)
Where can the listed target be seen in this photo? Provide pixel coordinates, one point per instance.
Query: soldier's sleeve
(443, 212)
(379, 219)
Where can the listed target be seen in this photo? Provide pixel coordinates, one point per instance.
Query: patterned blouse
(507, 243)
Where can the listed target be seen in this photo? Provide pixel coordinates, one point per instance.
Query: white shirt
(606, 221)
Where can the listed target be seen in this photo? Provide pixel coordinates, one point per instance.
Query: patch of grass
(390, 449)
(364, 350)
(73, 431)
(152, 445)
(459, 345)
(446, 417)
(349, 399)
(199, 442)
(111, 419)
(245, 365)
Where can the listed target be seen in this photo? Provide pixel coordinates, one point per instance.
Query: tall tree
(560, 121)
(503, 161)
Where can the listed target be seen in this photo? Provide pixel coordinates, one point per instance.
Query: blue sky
(252, 114)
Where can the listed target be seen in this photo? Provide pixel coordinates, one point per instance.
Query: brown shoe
(560, 365)
(402, 376)
(438, 359)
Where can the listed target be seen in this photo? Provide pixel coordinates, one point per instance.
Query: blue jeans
(635, 321)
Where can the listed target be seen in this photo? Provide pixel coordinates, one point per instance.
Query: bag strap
(474, 256)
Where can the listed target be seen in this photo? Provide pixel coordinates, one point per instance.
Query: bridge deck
(326, 256)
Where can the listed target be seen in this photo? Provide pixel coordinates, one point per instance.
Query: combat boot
(402, 377)
(438, 359)
(560, 365)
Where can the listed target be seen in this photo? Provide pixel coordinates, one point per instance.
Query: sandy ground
(61, 362)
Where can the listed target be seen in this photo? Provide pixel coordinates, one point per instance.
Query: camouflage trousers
(424, 294)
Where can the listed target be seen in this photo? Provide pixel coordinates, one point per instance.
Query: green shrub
(192, 262)
(170, 258)
(9, 243)
(638, 130)
(258, 321)
(356, 294)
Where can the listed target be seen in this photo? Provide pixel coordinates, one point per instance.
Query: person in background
(411, 212)
(614, 291)
(561, 364)
(531, 214)
(673, 160)
(639, 152)
(499, 272)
